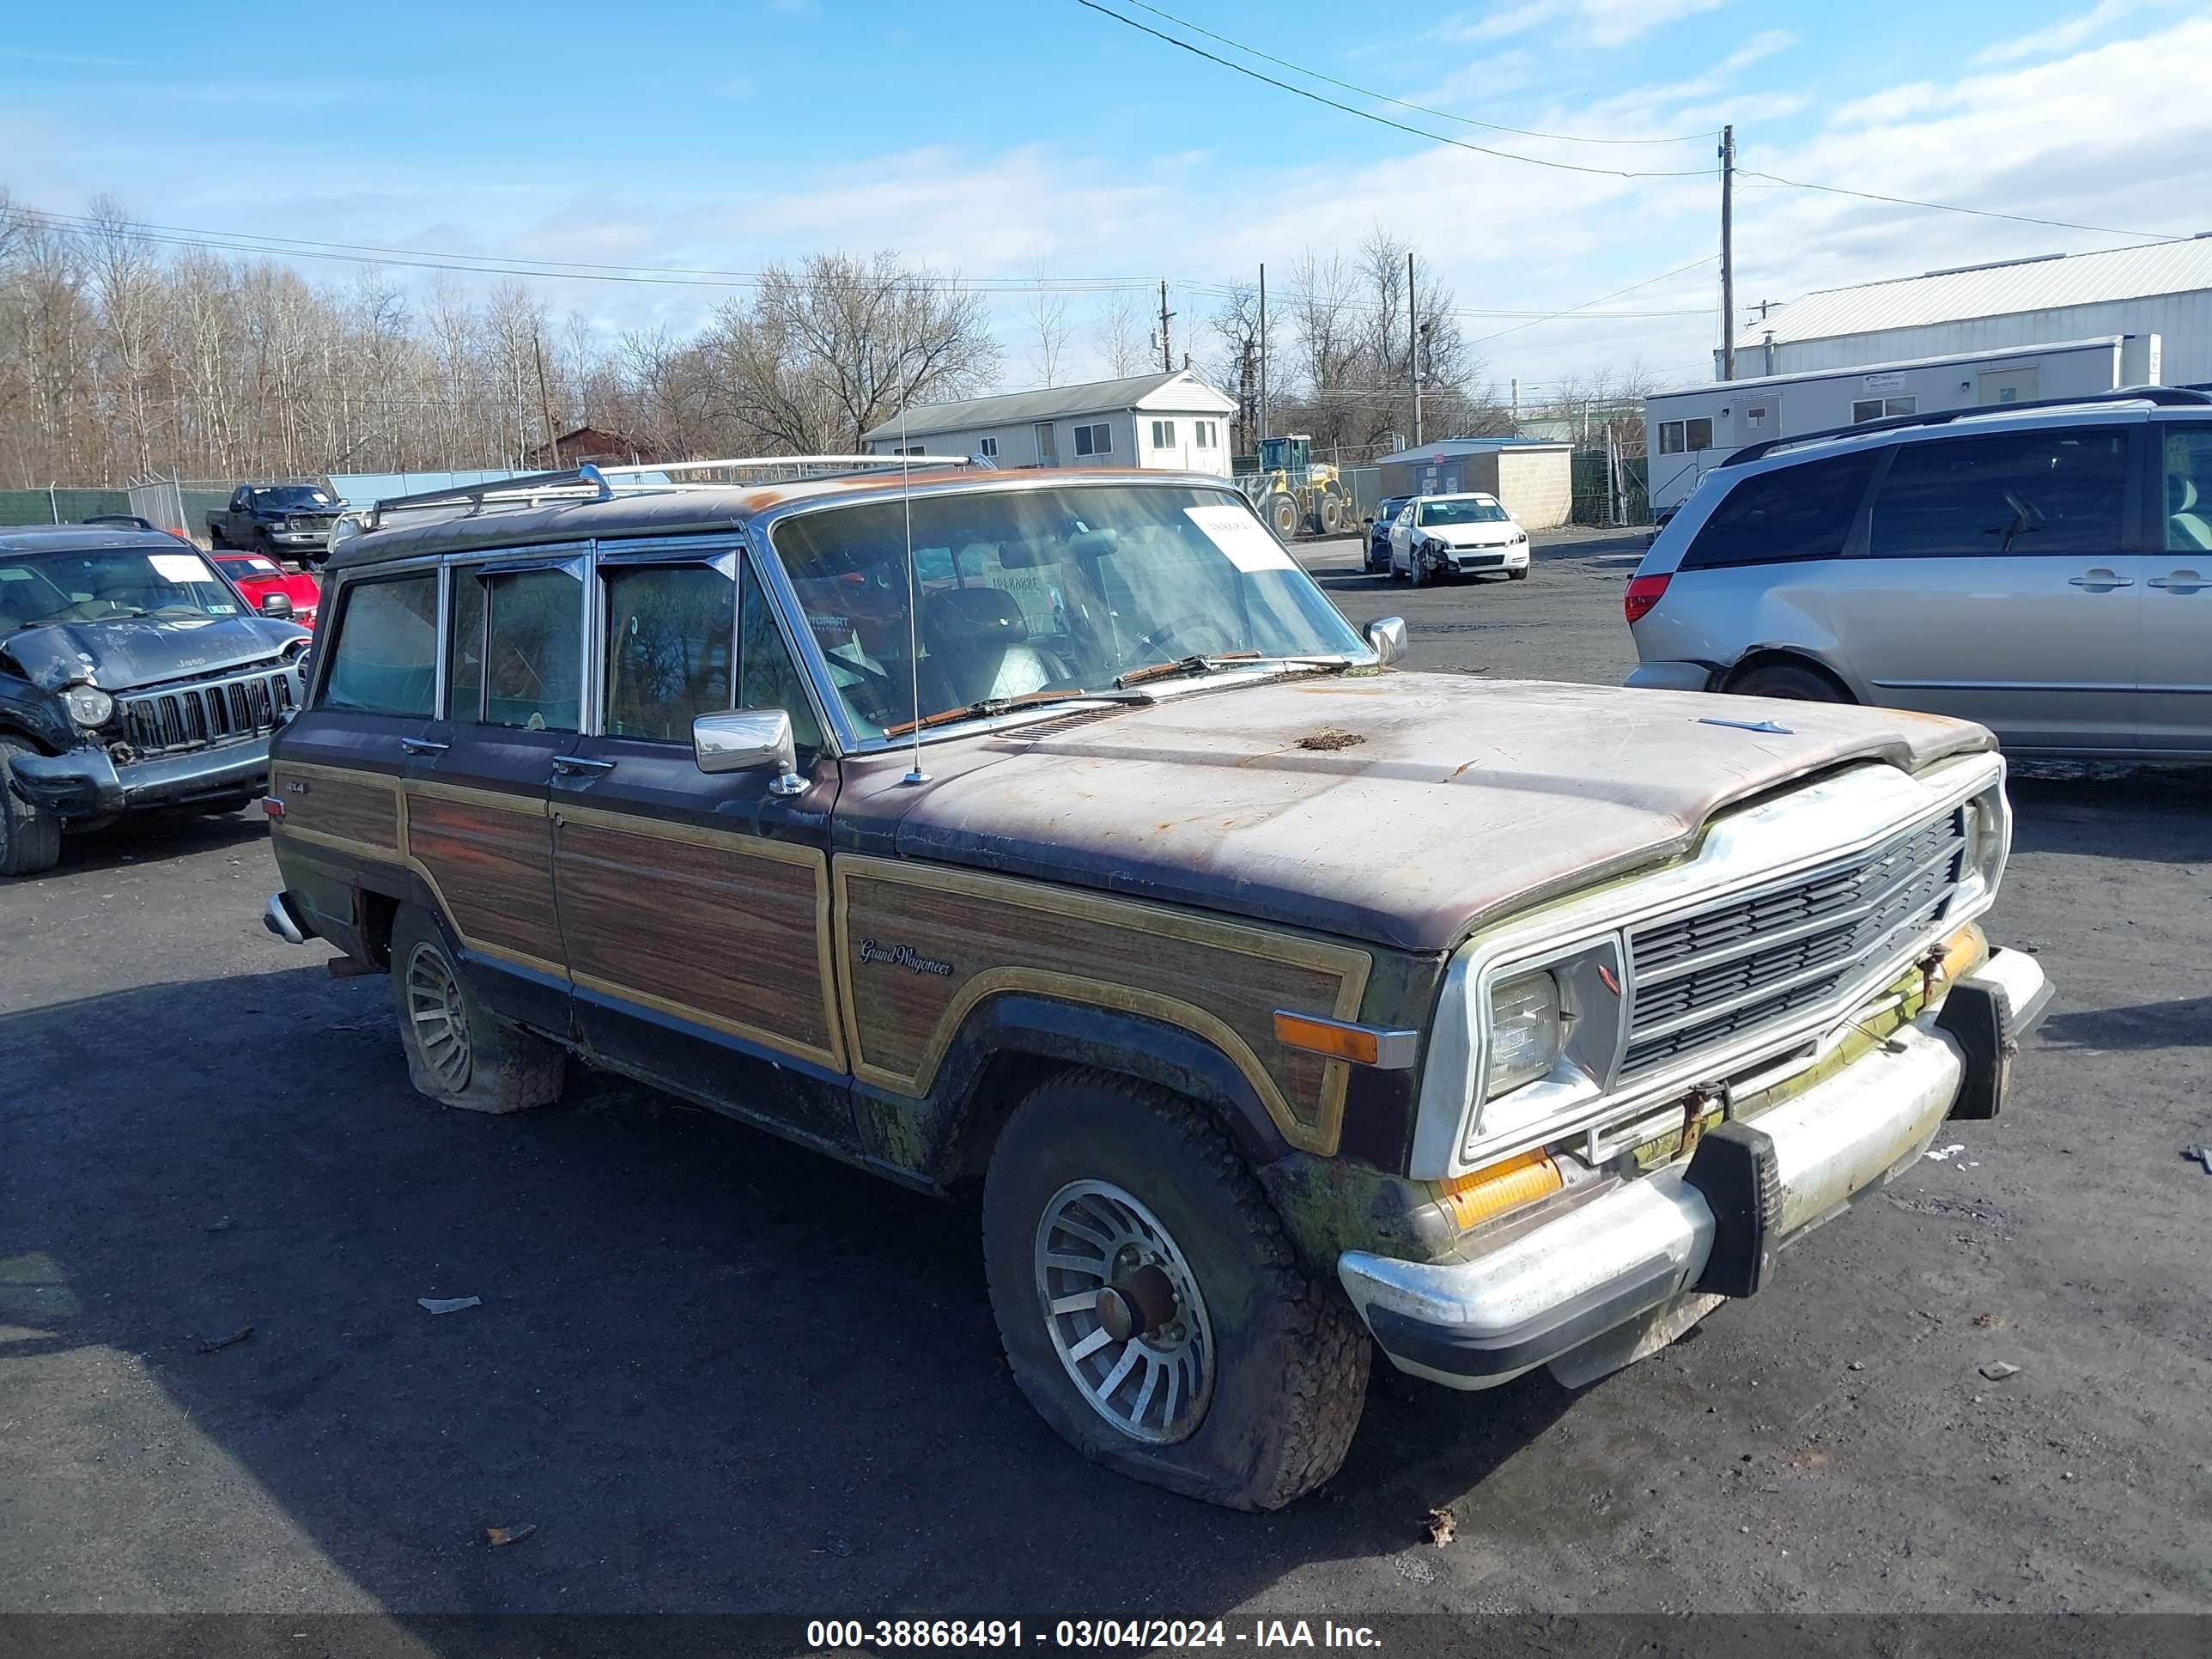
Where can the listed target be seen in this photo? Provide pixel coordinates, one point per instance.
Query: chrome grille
(187, 717)
(1728, 969)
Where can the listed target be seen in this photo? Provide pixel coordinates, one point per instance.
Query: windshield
(1460, 512)
(1041, 591)
(108, 583)
(292, 495)
(248, 566)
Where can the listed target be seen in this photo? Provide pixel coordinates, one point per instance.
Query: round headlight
(88, 705)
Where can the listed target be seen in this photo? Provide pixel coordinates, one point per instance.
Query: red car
(257, 576)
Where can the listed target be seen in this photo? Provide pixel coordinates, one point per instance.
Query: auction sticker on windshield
(1249, 543)
(180, 567)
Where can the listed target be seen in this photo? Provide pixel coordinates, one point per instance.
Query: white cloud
(2063, 36)
(1600, 22)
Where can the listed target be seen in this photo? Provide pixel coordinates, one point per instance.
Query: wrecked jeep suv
(132, 677)
(1050, 834)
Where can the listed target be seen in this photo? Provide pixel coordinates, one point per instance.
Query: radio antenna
(914, 774)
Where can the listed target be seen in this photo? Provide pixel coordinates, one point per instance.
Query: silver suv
(2041, 569)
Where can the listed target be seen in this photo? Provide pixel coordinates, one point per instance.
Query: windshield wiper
(990, 706)
(1160, 671)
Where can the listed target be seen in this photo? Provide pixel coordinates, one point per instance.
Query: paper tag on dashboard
(1247, 543)
(180, 568)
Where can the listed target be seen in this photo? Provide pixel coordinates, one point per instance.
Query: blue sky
(1046, 137)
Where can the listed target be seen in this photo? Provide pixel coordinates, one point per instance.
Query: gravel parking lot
(719, 1374)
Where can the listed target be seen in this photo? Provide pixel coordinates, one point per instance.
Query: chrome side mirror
(745, 741)
(1386, 637)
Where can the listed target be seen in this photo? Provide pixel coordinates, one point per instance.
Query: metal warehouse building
(2165, 288)
(2058, 326)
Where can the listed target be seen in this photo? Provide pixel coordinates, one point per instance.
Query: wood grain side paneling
(899, 925)
(489, 859)
(728, 931)
(336, 807)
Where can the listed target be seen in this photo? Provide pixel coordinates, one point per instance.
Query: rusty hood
(1405, 810)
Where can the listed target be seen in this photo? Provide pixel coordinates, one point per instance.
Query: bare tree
(1119, 334)
(1045, 326)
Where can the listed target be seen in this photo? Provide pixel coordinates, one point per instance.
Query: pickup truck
(286, 521)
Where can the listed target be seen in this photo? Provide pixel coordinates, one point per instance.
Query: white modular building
(1690, 431)
(1174, 421)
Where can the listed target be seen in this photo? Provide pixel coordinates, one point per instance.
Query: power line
(1775, 181)
(487, 265)
(1384, 97)
(1616, 172)
(1571, 310)
(1384, 120)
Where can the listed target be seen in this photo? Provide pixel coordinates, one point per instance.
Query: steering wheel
(1159, 637)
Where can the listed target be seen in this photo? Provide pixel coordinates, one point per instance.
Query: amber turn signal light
(1505, 1185)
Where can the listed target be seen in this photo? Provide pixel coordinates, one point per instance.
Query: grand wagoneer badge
(904, 956)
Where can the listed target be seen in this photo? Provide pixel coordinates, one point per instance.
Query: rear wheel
(1786, 680)
(457, 1052)
(30, 836)
(1152, 1308)
(216, 539)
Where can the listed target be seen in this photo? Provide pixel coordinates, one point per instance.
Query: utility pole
(1414, 347)
(1516, 405)
(545, 407)
(1727, 252)
(1263, 352)
(1167, 352)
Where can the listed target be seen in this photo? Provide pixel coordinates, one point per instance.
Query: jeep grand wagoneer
(996, 829)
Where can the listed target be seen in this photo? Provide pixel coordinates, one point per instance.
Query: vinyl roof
(2041, 283)
(1054, 403)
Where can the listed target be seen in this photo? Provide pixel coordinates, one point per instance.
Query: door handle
(2180, 581)
(2100, 580)
(570, 765)
(423, 746)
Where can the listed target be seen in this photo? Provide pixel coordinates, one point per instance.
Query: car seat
(979, 650)
(2184, 525)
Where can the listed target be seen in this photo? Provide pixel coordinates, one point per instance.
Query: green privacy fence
(1594, 504)
(59, 506)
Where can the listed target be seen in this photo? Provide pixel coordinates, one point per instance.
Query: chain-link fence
(1610, 490)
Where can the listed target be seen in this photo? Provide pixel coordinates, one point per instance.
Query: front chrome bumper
(1627, 1272)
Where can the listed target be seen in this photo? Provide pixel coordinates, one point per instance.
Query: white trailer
(1688, 433)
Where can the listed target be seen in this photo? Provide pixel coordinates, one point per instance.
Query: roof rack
(589, 482)
(2164, 395)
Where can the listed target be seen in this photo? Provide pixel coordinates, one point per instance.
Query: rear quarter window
(1789, 514)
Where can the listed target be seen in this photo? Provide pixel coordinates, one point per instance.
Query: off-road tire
(30, 836)
(509, 1069)
(1331, 513)
(1784, 680)
(1281, 512)
(1290, 1357)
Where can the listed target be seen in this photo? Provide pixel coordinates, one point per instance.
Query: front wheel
(30, 836)
(1520, 576)
(1283, 515)
(459, 1054)
(1152, 1309)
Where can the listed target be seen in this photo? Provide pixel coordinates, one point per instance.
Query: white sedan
(1463, 535)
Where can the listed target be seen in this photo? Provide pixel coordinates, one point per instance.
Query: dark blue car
(1378, 531)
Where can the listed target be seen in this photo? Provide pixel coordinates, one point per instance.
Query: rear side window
(1790, 514)
(385, 658)
(534, 651)
(2056, 490)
